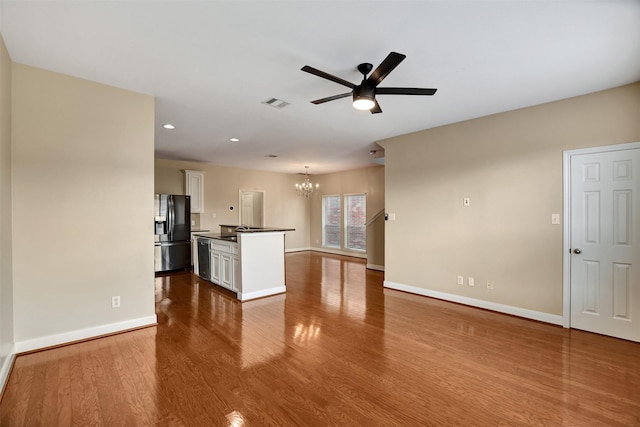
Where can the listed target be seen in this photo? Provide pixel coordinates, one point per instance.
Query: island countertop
(217, 236)
(252, 229)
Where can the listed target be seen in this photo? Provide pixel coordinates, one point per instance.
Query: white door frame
(566, 201)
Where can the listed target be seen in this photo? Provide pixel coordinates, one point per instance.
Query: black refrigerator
(172, 246)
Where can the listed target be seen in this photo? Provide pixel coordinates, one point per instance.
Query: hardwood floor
(337, 349)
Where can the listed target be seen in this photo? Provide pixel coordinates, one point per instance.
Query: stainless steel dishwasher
(204, 258)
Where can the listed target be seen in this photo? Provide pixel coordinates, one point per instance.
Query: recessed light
(234, 139)
(168, 126)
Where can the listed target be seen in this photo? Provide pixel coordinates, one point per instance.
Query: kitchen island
(246, 260)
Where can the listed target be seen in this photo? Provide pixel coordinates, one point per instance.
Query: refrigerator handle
(170, 216)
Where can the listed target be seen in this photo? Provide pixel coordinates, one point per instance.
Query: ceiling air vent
(275, 103)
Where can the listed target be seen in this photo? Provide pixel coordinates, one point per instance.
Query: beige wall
(366, 180)
(82, 203)
(222, 185)
(510, 165)
(6, 280)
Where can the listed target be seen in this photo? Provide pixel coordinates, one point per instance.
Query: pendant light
(306, 188)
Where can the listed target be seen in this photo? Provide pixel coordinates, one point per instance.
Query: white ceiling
(211, 64)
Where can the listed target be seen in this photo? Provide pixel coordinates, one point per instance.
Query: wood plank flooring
(337, 349)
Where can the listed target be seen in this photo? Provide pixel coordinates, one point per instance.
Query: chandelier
(306, 188)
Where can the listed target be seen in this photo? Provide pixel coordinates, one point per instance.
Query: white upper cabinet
(194, 187)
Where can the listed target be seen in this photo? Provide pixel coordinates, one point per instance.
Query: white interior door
(605, 243)
(247, 209)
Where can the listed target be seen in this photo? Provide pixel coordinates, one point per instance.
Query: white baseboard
(487, 305)
(330, 251)
(308, 248)
(339, 252)
(5, 369)
(246, 296)
(83, 334)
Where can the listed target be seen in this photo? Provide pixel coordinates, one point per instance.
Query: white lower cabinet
(224, 263)
(194, 253)
(215, 267)
(226, 270)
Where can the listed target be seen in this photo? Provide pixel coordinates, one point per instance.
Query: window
(355, 217)
(331, 221)
(351, 225)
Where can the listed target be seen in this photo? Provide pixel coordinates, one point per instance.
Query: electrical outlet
(489, 284)
(472, 281)
(115, 302)
(460, 280)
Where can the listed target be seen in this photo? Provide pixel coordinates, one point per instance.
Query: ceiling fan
(364, 94)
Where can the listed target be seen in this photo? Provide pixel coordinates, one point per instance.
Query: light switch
(466, 202)
(555, 219)
(392, 216)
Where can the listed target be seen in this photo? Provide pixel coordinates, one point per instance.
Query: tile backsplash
(195, 221)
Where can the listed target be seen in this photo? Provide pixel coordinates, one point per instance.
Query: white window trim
(324, 245)
(343, 226)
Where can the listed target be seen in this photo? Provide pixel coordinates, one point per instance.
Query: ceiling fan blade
(327, 76)
(404, 91)
(331, 98)
(388, 65)
(376, 108)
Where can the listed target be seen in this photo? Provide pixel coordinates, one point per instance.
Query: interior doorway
(602, 240)
(252, 208)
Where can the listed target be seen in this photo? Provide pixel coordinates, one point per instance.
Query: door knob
(577, 251)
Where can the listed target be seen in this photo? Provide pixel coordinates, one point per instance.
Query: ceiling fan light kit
(363, 104)
(364, 94)
(363, 97)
